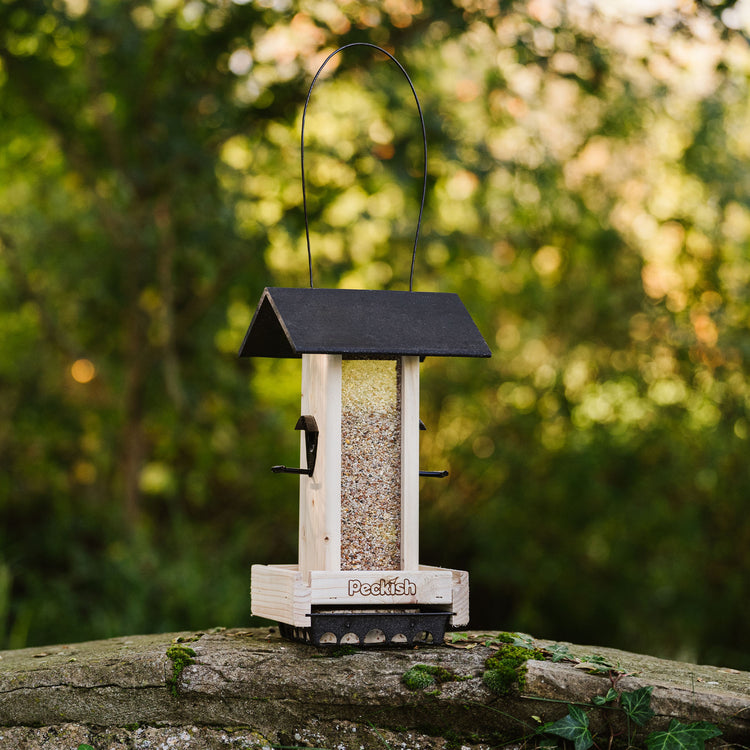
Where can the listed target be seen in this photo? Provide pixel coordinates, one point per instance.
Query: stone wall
(251, 689)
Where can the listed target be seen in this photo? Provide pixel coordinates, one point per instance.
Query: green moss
(421, 676)
(501, 680)
(188, 638)
(181, 657)
(507, 667)
(513, 656)
(418, 677)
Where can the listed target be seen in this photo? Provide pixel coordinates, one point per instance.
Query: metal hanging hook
(424, 144)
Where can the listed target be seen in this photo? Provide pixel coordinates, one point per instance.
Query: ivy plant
(574, 727)
(681, 736)
(636, 705)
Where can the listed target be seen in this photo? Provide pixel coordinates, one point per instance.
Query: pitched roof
(292, 322)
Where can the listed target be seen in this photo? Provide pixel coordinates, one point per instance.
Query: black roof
(293, 322)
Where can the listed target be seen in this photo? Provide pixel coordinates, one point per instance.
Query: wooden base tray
(282, 593)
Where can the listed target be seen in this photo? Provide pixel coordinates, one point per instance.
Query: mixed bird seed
(371, 464)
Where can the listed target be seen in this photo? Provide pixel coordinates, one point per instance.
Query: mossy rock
(181, 657)
(507, 668)
(422, 676)
(512, 656)
(501, 680)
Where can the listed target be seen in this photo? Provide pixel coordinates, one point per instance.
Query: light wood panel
(410, 463)
(277, 592)
(320, 495)
(384, 587)
(459, 594)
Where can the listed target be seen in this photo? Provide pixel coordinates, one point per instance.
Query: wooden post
(320, 495)
(409, 463)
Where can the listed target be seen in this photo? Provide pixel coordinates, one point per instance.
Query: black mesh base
(371, 629)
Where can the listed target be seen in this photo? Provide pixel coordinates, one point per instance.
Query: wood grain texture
(278, 593)
(320, 495)
(385, 587)
(410, 463)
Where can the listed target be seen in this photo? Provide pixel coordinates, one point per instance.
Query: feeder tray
(375, 628)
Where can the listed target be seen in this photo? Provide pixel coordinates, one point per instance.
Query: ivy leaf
(523, 640)
(574, 726)
(602, 700)
(681, 736)
(560, 652)
(594, 667)
(597, 664)
(637, 705)
(599, 659)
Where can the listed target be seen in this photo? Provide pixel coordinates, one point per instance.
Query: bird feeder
(359, 578)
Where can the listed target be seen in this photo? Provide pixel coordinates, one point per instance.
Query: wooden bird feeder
(359, 578)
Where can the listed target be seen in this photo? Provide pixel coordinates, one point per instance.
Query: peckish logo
(383, 587)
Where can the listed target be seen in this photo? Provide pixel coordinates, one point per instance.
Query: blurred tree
(121, 263)
(587, 200)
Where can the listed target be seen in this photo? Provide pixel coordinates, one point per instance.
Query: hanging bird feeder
(358, 578)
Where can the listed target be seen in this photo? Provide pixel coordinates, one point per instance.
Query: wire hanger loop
(424, 147)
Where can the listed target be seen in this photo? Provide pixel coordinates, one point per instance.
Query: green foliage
(521, 640)
(596, 664)
(575, 727)
(637, 705)
(603, 700)
(181, 657)
(560, 652)
(682, 736)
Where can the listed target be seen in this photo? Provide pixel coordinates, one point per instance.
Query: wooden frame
(288, 593)
(320, 494)
(277, 592)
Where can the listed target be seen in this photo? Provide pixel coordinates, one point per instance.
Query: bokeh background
(588, 198)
